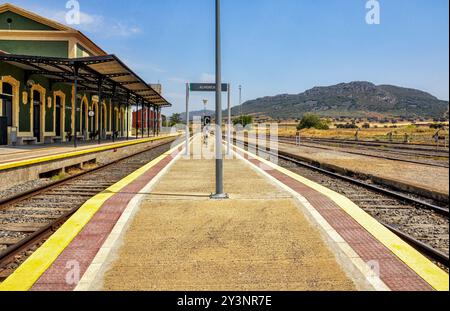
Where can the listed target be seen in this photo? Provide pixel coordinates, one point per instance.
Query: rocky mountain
(354, 99)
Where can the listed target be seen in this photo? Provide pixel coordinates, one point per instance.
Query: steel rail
(373, 143)
(368, 155)
(392, 150)
(426, 249)
(290, 157)
(33, 237)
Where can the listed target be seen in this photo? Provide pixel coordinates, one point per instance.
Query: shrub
(310, 120)
(437, 126)
(243, 120)
(175, 119)
(347, 126)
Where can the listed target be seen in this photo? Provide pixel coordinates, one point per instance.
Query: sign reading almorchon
(206, 87)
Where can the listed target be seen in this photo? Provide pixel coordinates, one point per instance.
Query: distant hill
(354, 99)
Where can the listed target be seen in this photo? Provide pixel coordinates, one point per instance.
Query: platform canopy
(117, 80)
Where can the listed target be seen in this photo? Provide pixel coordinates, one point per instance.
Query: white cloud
(93, 23)
(207, 78)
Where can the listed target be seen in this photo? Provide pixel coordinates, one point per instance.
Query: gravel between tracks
(44, 208)
(423, 224)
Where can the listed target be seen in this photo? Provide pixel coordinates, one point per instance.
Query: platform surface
(157, 229)
(256, 240)
(9, 154)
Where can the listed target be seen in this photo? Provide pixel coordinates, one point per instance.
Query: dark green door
(58, 116)
(37, 116)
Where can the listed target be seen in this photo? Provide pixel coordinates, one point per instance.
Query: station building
(52, 78)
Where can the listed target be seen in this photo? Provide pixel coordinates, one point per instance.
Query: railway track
(422, 224)
(430, 158)
(374, 143)
(29, 218)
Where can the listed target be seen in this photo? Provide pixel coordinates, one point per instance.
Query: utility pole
(205, 103)
(218, 134)
(240, 101)
(75, 87)
(187, 119)
(229, 122)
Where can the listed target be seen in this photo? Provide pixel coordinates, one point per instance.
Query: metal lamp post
(218, 135)
(240, 100)
(205, 102)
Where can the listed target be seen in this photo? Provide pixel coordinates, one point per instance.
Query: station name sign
(206, 87)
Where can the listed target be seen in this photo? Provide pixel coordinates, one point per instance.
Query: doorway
(58, 117)
(7, 107)
(37, 116)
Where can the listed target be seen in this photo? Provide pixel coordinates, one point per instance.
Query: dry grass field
(416, 133)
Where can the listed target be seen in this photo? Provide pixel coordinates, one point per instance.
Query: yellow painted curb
(427, 270)
(31, 270)
(20, 163)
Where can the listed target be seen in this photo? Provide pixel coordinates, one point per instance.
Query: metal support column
(128, 116)
(148, 120)
(229, 122)
(154, 120)
(142, 118)
(113, 112)
(100, 110)
(158, 121)
(137, 118)
(75, 87)
(187, 119)
(218, 133)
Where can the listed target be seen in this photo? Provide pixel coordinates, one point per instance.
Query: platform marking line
(100, 260)
(20, 163)
(427, 270)
(32, 269)
(332, 235)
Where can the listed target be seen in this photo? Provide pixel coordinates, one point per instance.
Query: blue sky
(270, 46)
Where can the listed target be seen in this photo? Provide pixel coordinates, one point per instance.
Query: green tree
(175, 119)
(243, 120)
(310, 120)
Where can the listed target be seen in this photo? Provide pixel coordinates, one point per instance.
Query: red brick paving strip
(393, 272)
(88, 242)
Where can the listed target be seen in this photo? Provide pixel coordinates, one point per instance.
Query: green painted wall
(36, 48)
(24, 112)
(81, 51)
(20, 23)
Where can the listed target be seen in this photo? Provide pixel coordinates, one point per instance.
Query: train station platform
(158, 230)
(23, 164)
(20, 154)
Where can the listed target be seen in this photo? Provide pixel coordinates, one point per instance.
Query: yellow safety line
(31, 270)
(78, 153)
(427, 270)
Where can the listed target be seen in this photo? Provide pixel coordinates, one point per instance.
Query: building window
(7, 107)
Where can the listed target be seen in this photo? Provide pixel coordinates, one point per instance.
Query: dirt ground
(424, 176)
